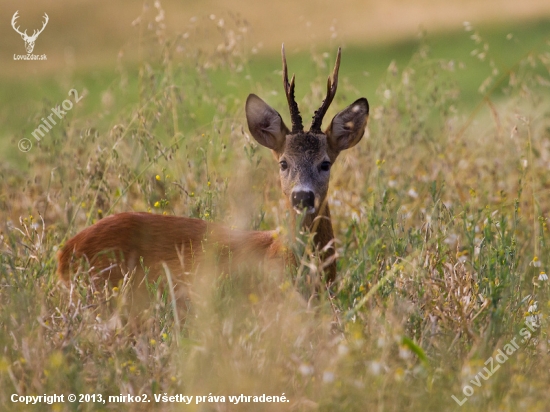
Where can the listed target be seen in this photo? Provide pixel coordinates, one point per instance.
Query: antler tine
(295, 117)
(331, 92)
(46, 20)
(14, 18)
(14, 22)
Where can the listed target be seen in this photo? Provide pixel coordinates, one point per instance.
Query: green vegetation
(440, 212)
(25, 100)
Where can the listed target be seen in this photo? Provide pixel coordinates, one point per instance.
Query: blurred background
(90, 34)
(89, 42)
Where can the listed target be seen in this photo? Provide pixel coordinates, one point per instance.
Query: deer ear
(265, 124)
(348, 126)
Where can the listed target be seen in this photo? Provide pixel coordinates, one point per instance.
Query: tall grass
(440, 216)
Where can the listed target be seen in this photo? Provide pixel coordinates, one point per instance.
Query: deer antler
(24, 34)
(331, 92)
(35, 32)
(13, 22)
(295, 117)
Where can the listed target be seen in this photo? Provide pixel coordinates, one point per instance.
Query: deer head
(29, 40)
(305, 158)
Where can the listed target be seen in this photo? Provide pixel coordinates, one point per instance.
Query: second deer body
(131, 241)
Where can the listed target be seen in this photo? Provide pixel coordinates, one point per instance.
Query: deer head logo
(29, 40)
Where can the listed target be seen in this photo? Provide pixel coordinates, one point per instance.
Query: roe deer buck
(125, 241)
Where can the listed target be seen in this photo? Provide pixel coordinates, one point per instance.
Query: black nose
(303, 200)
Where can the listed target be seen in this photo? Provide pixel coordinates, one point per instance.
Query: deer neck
(320, 225)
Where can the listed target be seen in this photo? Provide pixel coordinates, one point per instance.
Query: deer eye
(325, 166)
(283, 164)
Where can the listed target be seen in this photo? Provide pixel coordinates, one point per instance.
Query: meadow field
(442, 297)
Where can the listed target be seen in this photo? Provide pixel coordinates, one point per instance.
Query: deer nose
(303, 200)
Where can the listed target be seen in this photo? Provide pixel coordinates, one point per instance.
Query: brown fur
(321, 225)
(115, 246)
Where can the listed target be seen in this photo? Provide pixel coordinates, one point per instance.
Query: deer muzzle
(303, 200)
